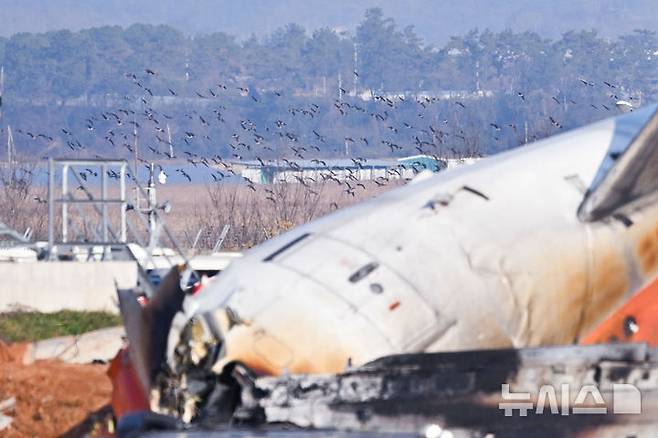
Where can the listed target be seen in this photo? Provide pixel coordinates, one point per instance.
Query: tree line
(532, 85)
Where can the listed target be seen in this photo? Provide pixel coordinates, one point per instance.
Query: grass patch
(32, 326)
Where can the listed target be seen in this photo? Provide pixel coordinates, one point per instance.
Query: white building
(273, 172)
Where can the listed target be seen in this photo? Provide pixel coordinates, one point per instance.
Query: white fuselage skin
(454, 271)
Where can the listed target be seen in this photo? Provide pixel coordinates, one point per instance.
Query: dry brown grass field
(253, 215)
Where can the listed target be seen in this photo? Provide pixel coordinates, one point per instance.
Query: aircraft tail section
(629, 173)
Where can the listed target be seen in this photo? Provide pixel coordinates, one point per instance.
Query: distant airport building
(317, 170)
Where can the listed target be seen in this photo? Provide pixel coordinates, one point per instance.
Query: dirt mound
(12, 353)
(52, 397)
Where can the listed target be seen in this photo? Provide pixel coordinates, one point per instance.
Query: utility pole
(2, 88)
(564, 103)
(356, 74)
(150, 210)
(340, 88)
(135, 156)
(477, 76)
(10, 138)
(171, 145)
(135, 159)
(10, 146)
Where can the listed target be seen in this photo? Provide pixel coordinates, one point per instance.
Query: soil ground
(53, 398)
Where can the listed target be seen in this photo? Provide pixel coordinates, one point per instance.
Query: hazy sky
(435, 20)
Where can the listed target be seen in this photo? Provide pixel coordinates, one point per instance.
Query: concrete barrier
(100, 344)
(54, 286)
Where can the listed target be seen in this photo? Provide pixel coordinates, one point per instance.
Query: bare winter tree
(255, 216)
(22, 205)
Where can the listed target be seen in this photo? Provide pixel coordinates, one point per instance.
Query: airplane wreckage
(426, 310)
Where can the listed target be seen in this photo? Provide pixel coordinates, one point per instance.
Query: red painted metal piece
(128, 395)
(635, 321)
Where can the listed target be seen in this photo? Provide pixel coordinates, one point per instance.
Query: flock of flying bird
(290, 137)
